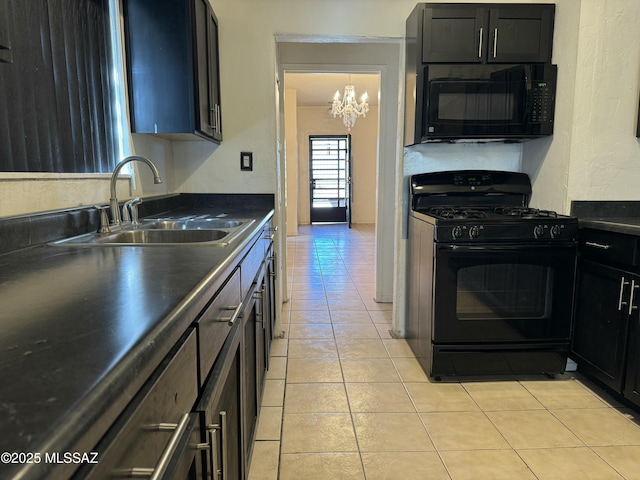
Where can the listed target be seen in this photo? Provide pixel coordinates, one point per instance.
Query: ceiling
(318, 89)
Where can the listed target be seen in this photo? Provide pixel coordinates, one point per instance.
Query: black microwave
(506, 102)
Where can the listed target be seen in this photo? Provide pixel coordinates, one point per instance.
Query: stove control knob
(456, 232)
(474, 232)
(538, 231)
(555, 231)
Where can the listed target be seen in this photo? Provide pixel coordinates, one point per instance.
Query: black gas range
(485, 206)
(491, 281)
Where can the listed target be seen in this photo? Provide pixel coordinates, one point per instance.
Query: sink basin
(189, 224)
(163, 236)
(166, 231)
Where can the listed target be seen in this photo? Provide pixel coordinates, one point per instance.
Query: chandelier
(348, 108)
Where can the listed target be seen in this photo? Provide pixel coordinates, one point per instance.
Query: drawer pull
(167, 454)
(234, 316)
(601, 246)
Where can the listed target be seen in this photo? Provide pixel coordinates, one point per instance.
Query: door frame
(381, 55)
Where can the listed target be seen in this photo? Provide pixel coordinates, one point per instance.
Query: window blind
(56, 100)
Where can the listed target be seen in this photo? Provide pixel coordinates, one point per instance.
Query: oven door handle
(505, 247)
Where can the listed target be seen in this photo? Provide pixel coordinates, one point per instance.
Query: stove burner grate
(458, 213)
(525, 212)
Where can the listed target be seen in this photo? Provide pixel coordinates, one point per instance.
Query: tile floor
(344, 400)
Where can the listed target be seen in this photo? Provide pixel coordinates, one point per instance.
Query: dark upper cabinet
(454, 33)
(173, 68)
(479, 33)
(208, 71)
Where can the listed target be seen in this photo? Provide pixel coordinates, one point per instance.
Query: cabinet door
(208, 93)
(520, 34)
(223, 427)
(601, 320)
(632, 383)
(214, 76)
(250, 406)
(263, 332)
(454, 34)
(159, 66)
(220, 404)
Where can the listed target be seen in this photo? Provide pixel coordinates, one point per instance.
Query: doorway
(381, 57)
(330, 178)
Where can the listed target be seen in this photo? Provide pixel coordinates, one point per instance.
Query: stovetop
(490, 213)
(477, 206)
(500, 224)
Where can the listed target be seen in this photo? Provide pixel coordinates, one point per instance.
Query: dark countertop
(613, 216)
(630, 226)
(83, 328)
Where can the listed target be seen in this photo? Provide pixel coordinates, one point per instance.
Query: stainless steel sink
(191, 224)
(166, 231)
(164, 236)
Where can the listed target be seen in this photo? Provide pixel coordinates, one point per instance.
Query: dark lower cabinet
(221, 409)
(255, 346)
(632, 381)
(250, 377)
(156, 431)
(601, 322)
(606, 333)
(196, 416)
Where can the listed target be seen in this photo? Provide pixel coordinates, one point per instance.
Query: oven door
(503, 293)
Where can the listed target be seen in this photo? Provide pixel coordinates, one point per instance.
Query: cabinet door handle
(234, 316)
(623, 282)
(214, 118)
(632, 307)
(225, 447)
(158, 471)
(480, 42)
(495, 43)
(213, 442)
(601, 246)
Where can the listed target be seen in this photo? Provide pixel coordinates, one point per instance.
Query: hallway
(344, 400)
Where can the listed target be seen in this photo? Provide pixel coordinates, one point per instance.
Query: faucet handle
(104, 219)
(133, 206)
(126, 218)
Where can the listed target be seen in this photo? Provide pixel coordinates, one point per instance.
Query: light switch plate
(246, 161)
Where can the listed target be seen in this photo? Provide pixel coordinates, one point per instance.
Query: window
(57, 92)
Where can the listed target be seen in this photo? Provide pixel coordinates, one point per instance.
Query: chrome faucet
(113, 202)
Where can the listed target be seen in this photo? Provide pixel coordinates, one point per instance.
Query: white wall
(291, 160)
(364, 148)
(605, 154)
